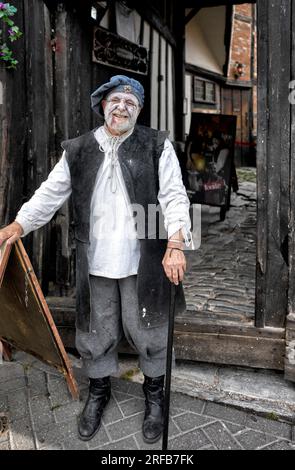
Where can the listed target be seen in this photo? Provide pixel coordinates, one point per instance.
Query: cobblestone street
(220, 281)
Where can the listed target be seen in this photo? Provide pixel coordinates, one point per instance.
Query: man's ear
(103, 104)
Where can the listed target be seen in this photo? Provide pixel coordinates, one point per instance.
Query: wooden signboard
(25, 320)
(210, 159)
(116, 51)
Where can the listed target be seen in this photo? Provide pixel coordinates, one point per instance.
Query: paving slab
(48, 419)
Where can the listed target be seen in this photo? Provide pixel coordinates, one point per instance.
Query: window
(98, 10)
(204, 91)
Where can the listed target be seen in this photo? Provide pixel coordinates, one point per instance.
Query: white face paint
(121, 112)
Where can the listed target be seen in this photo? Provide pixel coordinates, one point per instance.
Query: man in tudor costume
(123, 270)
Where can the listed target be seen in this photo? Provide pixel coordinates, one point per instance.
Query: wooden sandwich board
(25, 320)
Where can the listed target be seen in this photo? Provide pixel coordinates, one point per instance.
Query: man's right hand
(11, 233)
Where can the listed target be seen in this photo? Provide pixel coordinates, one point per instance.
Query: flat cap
(118, 83)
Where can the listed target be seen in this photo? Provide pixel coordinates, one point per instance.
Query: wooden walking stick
(168, 366)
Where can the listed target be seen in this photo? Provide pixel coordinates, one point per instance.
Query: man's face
(120, 111)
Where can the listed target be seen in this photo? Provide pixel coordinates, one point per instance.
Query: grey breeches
(114, 313)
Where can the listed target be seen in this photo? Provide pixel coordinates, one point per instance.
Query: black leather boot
(152, 427)
(98, 398)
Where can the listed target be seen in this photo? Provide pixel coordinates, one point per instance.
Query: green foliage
(247, 174)
(13, 33)
(130, 373)
(273, 416)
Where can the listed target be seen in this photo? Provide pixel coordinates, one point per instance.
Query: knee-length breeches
(114, 313)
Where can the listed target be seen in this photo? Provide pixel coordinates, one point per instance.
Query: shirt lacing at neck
(114, 142)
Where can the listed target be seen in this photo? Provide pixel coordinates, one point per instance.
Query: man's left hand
(174, 264)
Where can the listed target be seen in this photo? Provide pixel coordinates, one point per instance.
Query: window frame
(204, 81)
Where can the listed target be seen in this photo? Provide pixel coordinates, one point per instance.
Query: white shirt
(116, 255)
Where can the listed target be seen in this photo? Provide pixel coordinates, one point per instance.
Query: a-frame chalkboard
(25, 320)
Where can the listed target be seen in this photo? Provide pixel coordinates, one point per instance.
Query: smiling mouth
(120, 116)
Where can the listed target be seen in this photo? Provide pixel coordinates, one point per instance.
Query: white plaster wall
(188, 98)
(205, 39)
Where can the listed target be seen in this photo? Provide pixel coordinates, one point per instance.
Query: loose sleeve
(172, 195)
(47, 199)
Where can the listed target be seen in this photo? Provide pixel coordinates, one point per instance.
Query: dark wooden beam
(196, 322)
(191, 14)
(290, 346)
(13, 126)
(239, 83)
(154, 19)
(40, 120)
(227, 37)
(196, 70)
(292, 182)
(179, 68)
(160, 110)
(229, 349)
(290, 324)
(262, 126)
(214, 3)
(273, 161)
(72, 78)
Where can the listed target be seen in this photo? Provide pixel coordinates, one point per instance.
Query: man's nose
(122, 105)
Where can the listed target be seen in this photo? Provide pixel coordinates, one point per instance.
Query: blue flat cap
(118, 83)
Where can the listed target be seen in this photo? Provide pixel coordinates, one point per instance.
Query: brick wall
(241, 41)
(255, 86)
(244, 9)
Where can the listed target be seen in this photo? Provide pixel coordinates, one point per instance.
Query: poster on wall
(209, 158)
